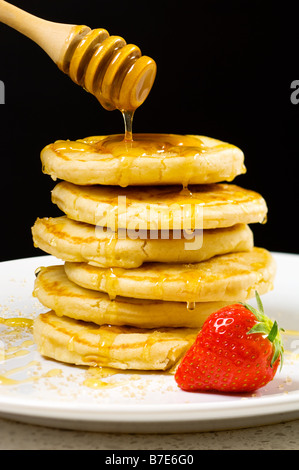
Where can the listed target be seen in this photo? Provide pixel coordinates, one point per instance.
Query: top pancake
(151, 159)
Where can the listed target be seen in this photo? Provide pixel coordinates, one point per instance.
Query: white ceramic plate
(44, 392)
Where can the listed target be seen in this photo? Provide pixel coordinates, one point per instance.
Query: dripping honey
(139, 145)
(128, 122)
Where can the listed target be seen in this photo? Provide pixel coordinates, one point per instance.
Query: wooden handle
(53, 38)
(127, 77)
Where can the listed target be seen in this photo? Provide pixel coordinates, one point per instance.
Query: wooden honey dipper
(114, 72)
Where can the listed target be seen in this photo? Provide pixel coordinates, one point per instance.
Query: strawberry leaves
(266, 327)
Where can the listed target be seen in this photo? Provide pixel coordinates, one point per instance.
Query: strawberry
(237, 350)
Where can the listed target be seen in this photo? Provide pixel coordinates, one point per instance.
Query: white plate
(145, 402)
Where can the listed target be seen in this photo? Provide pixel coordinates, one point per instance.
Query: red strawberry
(237, 350)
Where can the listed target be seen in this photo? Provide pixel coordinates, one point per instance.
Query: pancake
(222, 278)
(152, 159)
(56, 292)
(76, 241)
(160, 208)
(79, 343)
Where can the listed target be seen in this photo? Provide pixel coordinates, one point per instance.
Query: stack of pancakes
(154, 238)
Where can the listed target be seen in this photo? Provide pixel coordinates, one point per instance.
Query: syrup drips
(17, 322)
(128, 121)
(191, 306)
(136, 145)
(17, 326)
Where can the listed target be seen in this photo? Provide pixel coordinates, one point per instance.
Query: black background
(225, 70)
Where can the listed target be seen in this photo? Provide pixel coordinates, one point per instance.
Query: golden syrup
(5, 380)
(97, 383)
(52, 373)
(110, 249)
(191, 306)
(27, 343)
(70, 343)
(290, 332)
(14, 328)
(111, 283)
(18, 353)
(13, 352)
(152, 339)
(159, 285)
(24, 344)
(17, 322)
(151, 145)
(106, 338)
(137, 145)
(169, 150)
(128, 122)
(102, 372)
(37, 271)
(265, 220)
(16, 370)
(186, 192)
(95, 376)
(111, 277)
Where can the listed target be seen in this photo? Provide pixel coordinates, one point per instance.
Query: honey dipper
(114, 72)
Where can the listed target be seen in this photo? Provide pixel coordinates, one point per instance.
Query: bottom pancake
(56, 292)
(79, 343)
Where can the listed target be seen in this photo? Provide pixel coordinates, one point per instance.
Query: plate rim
(260, 406)
(253, 407)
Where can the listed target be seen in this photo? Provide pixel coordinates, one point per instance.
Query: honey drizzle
(111, 282)
(143, 145)
(191, 306)
(5, 380)
(95, 376)
(128, 121)
(17, 322)
(18, 353)
(12, 352)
